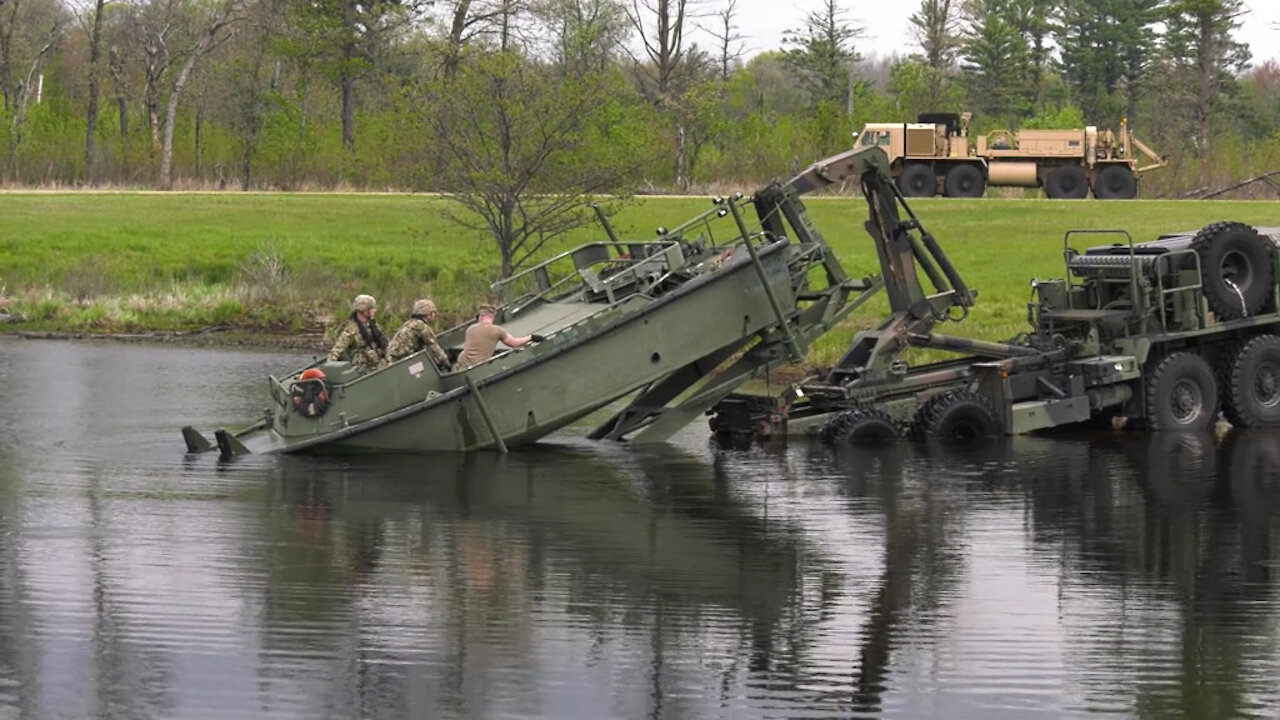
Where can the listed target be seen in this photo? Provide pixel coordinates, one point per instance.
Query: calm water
(1130, 576)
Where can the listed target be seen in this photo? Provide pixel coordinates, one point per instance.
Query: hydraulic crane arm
(904, 249)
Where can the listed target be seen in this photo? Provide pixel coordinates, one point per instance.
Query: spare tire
(1236, 268)
(859, 426)
(956, 416)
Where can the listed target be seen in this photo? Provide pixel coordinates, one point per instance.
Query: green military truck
(1163, 333)
(933, 155)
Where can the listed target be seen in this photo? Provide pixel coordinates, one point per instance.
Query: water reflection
(449, 570)
(1123, 574)
(1159, 549)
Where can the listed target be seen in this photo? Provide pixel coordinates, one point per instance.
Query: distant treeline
(596, 96)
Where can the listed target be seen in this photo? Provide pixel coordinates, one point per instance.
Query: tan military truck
(933, 155)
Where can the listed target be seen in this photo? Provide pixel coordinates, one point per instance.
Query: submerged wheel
(1115, 182)
(1251, 383)
(965, 181)
(1067, 182)
(1236, 267)
(859, 426)
(956, 416)
(917, 180)
(1181, 393)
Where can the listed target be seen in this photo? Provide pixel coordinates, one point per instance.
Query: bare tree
(153, 24)
(91, 111)
(660, 25)
(21, 55)
(729, 42)
(215, 33)
(583, 34)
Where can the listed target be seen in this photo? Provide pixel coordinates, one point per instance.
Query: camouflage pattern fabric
(351, 346)
(413, 336)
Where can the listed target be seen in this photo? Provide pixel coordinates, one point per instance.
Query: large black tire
(965, 181)
(1250, 379)
(917, 180)
(957, 416)
(1181, 393)
(1115, 182)
(1067, 182)
(1233, 256)
(859, 426)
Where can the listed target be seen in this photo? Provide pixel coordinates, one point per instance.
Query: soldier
(416, 334)
(360, 340)
(482, 339)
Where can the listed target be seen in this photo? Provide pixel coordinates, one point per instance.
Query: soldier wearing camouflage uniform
(360, 340)
(416, 334)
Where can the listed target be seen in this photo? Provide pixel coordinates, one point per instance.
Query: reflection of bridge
(524, 545)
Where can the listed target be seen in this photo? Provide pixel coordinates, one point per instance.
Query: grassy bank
(118, 262)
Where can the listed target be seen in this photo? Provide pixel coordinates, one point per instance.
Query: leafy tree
(1106, 46)
(913, 84)
(995, 57)
(524, 145)
(935, 27)
(1032, 19)
(821, 54)
(345, 38)
(1203, 58)
(29, 29)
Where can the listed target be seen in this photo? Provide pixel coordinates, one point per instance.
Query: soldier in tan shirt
(482, 339)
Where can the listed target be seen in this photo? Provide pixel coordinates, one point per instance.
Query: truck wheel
(1181, 393)
(1115, 182)
(956, 416)
(965, 181)
(917, 181)
(860, 426)
(1238, 274)
(1251, 378)
(1067, 182)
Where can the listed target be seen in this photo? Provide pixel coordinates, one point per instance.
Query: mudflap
(228, 445)
(196, 443)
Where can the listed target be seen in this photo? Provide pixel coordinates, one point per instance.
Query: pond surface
(1129, 575)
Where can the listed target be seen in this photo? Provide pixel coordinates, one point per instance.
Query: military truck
(1162, 333)
(933, 155)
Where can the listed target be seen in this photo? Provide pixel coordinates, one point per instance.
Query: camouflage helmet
(424, 307)
(364, 302)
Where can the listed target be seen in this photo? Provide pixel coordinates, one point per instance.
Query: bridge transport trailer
(1163, 333)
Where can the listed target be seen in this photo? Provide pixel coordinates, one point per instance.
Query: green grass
(125, 261)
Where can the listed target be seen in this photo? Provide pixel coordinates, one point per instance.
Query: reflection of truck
(1163, 333)
(933, 154)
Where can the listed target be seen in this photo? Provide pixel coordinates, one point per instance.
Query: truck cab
(936, 135)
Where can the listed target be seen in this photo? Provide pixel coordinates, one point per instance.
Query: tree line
(590, 96)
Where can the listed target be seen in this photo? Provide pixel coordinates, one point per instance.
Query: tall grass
(288, 262)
